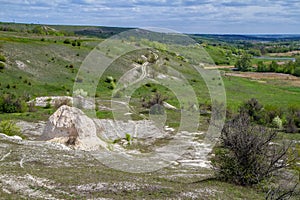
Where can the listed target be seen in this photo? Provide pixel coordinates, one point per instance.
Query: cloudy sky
(188, 16)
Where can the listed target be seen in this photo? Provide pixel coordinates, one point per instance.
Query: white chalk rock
(70, 126)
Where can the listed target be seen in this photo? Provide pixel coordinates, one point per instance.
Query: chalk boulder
(70, 126)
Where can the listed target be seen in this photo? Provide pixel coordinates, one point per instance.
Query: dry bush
(246, 154)
(60, 102)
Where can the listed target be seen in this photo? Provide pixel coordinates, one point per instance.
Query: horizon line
(132, 27)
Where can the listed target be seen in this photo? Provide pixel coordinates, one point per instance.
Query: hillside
(161, 89)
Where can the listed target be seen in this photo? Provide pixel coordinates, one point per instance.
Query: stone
(51, 100)
(70, 126)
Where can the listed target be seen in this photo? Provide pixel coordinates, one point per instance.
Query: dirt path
(220, 67)
(144, 73)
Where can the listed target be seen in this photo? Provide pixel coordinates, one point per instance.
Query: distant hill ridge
(105, 32)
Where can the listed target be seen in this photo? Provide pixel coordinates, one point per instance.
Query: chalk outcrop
(70, 126)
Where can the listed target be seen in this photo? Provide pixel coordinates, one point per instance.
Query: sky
(186, 16)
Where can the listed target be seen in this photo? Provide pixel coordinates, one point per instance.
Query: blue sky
(190, 16)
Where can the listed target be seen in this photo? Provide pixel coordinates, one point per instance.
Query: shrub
(10, 128)
(2, 58)
(59, 102)
(151, 58)
(252, 108)
(261, 67)
(297, 71)
(31, 107)
(112, 81)
(270, 112)
(11, 104)
(67, 41)
(245, 155)
(156, 100)
(2, 65)
(277, 122)
(128, 137)
(291, 125)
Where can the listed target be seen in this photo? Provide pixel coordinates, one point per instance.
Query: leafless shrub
(63, 101)
(156, 99)
(247, 154)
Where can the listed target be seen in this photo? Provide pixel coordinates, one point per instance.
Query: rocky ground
(39, 168)
(51, 168)
(47, 170)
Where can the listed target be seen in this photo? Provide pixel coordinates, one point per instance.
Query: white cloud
(182, 15)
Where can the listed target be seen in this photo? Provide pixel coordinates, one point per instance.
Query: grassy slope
(46, 71)
(45, 64)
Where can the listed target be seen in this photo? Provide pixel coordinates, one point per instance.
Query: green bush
(10, 128)
(2, 58)
(9, 103)
(252, 108)
(277, 122)
(67, 41)
(2, 65)
(261, 67)
(297, 71)
(128, 137)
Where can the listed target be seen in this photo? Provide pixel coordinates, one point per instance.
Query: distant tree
(244, 63)
(261, 67)
(297, 71)
(255, 52)
(289, 68)
(273, 66)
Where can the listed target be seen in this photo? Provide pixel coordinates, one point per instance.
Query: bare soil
(263, 75)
